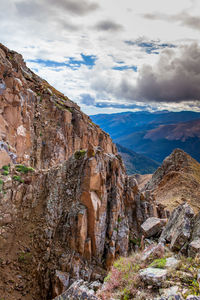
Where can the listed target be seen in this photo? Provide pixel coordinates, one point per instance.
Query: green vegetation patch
(79, 154)
(25, 257)
(159, 263)
(5, 173)
(23, 169)
(18, 178)
(6, 168)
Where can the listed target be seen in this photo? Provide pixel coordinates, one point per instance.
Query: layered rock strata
(67, 207)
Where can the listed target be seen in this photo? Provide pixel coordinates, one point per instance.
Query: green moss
(107, 278)
(1, 182)
(79, 154)
(25, 257)
(159, 263)
(18, 178)
(135, 241)
(6, 168)
(23, 169)
(5, 173)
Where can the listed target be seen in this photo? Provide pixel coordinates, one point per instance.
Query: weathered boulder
(153, 251)
(61, 283)
(172, 263)
(177, 232)
(194, 248)
(153, 226)
(153, 276)
(78, 291)
(169, 292)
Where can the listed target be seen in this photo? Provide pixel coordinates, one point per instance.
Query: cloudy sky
(111, 55)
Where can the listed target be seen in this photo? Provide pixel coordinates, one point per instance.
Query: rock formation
(67, 207)
(176, 181)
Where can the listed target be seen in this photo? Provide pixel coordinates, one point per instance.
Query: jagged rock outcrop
(39, 125)
(67, 207)
(176, 181)
(153, 226)
(179, 227)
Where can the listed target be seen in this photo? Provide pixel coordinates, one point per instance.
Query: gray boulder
(194, 248)
(178, 230)
(153, 226)
(78, 291)
(153, 276)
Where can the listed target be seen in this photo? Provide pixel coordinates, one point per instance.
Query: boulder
(194, 248)
(169, 292)
(172, 262)
(178, 230)
(78, 290)
(61, 282)
(153, 276)
(153, 226)
(174, 297)
(153, 251)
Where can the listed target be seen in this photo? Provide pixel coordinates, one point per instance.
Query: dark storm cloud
(175, 78)
(76, 7)
(183, 18)
(107, 25)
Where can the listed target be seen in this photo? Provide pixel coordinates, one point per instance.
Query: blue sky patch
(122, 68)
(74, 64)
(150, 47)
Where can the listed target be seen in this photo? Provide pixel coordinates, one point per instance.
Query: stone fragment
(172, 262)
(178, 229)
(153, 226)
(61, 282)
(153, 252)
(78, 291)
(169, 292)
(153, 276)
(194, 248)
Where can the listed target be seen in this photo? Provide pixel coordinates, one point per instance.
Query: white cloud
(57, 30)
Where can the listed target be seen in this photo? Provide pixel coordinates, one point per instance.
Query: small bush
(79, 154)
(5, 168)
(24, 169)
(5, 173)
(18, 178)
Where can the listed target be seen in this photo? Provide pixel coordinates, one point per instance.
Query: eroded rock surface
(179, 227)
(74, 213)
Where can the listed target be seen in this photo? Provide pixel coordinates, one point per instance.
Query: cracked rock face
(70, 217)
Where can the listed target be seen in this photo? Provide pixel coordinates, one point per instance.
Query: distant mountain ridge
(136, 163)
(154, 135)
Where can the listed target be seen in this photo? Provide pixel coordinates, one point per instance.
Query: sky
(111, 55)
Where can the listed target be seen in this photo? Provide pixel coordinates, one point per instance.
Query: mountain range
(156, 134)
(68, 209)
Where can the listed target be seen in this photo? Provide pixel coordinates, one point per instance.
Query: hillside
(139, 131)
(176, 181)
(136, 163)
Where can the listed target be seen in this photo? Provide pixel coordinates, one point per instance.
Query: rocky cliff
(67, 207)
(176, 181)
